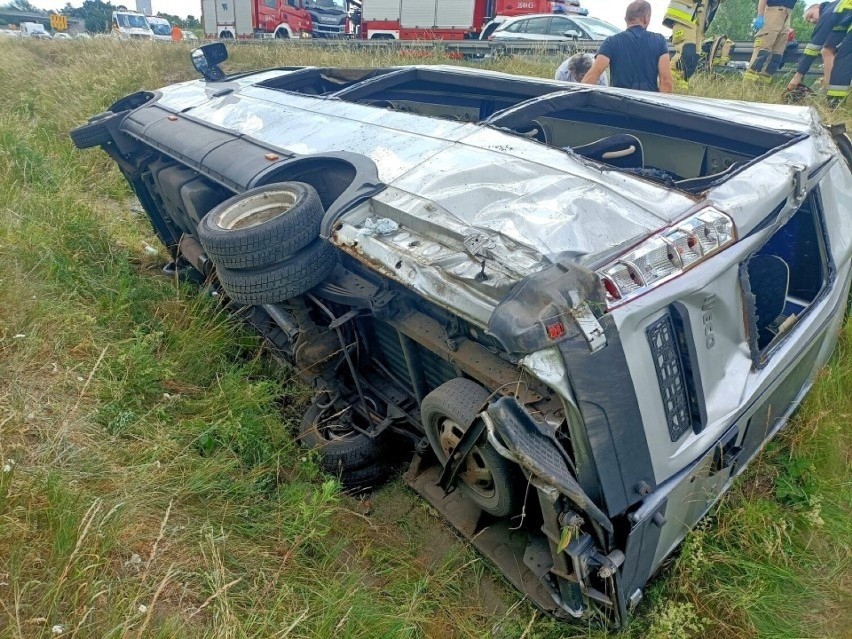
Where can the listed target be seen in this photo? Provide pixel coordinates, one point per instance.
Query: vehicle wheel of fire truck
(343, 448)
(95, 132)
(489, 480)
(262, 226)
(282, 281)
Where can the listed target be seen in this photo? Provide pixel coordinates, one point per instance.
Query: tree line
(734, 20)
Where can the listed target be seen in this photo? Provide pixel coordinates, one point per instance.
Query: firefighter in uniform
(833, 19)
(773, 27)
(689, 21)
(841, 73)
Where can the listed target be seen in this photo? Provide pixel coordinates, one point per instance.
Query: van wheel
(361, 480)
(262, 226)
(285, 280)
(95, 132)
(490, 481)
(343, 449)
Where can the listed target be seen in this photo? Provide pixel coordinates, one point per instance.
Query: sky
(609, 10)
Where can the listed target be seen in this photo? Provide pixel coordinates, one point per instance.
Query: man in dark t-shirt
(637, 58)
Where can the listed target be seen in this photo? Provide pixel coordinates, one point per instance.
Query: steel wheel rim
(256, 210)
(475, 473)
(335, 431)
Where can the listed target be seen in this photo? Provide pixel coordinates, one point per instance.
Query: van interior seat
(704, 182)
(623, 151)
(537, 131)
(769, 278)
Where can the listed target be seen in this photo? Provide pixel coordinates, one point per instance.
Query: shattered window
(783, 278)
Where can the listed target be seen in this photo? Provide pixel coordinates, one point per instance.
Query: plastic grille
(670, 375)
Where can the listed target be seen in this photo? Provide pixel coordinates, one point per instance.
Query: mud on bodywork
(483, 231)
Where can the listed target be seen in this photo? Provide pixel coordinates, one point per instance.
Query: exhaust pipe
(190, 250)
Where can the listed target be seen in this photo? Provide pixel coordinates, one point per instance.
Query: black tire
(459, 401)
(282, 281)
(262, 226)
(341, 451)
(95, 132)
(361, 480)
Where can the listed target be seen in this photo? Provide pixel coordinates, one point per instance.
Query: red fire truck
(445, 19)
(274, 18)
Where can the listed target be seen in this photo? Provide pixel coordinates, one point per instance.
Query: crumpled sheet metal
(439, 270)
(540, 198)
(395, 142)
(447, 179)
(754, 193)
(543, 198)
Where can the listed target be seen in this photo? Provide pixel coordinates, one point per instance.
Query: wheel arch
(342, 181)
(283, 28)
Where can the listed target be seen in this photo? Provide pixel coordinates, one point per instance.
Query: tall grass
(150, 486)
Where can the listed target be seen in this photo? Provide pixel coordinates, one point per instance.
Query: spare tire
(262, 226)
(95, 132)
(361, 480)
(342, 448)
(282, 281)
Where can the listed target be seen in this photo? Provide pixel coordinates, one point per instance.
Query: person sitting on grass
(576, 67)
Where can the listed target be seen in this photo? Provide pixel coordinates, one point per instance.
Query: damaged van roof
(459, 152)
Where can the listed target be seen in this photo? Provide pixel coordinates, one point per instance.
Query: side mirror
(207, 58)
(571, 33)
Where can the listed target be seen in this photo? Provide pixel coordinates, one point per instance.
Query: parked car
(61, 35)
(588, 330)
(10, 33)
(549, 28)
(189, 35)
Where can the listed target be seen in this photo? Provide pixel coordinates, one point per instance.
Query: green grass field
(150, 486)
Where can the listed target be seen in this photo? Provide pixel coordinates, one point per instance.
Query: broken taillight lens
(667, 254)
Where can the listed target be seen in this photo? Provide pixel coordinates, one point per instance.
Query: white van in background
(131, 25)
(160, 27)
(33, 30)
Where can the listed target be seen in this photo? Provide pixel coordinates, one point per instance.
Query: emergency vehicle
(441, 20)
(273, 18)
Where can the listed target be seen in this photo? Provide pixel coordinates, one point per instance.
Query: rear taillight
(667, 254)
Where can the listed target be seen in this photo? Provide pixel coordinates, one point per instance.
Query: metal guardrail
(741, 52)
